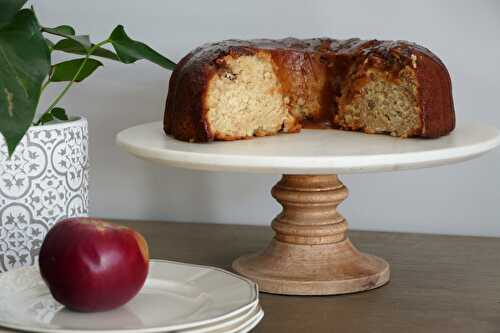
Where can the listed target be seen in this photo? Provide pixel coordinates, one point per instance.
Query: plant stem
(45, 85)
(70, 83)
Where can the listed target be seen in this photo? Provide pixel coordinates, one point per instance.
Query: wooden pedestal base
(310, 253)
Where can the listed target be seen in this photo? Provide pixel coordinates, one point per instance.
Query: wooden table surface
(438, 283)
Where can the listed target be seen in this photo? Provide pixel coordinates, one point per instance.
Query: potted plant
(44, 159)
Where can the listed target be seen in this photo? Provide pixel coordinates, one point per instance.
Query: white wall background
(456, 199)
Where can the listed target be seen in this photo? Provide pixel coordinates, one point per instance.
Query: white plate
(243, 327)
(176, 296)
(251, 325)
(239, 324)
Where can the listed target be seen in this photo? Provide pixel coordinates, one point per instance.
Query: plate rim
(251, 316)
(251, 304)
(253, 323)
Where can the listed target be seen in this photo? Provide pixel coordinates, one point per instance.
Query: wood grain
(311, 253)
(438, 284)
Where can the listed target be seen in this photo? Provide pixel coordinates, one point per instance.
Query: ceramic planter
(44, 181)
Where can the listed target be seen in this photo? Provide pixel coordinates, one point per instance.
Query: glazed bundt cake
(239, 89)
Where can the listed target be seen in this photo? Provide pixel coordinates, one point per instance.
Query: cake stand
(311, 253)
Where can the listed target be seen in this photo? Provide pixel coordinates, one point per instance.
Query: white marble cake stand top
(310, 151)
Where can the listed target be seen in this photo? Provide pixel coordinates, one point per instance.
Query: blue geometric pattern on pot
(46, 180)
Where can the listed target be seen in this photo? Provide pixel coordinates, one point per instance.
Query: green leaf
(65, 30)
(66, 71)
(9, 8)
(71, 46)
(24, 64)
(130, 51)
(59, 113)
(68, 32)
(55, 113)
(45, 118)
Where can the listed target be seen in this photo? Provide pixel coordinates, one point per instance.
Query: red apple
(91, 265)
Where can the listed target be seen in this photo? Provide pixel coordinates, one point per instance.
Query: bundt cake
(237, 89)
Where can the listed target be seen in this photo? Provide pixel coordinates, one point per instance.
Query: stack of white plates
(176, 297)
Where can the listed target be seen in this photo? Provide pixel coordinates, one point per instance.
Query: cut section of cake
(236, 89)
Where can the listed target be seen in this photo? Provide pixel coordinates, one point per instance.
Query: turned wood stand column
(311, 253)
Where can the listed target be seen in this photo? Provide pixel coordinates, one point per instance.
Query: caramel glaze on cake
(239, 89)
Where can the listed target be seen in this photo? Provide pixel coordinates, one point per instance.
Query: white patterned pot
(45, 180)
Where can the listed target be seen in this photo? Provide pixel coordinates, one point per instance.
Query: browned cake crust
(334, 70)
